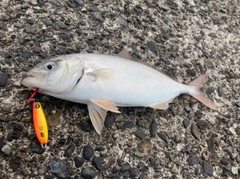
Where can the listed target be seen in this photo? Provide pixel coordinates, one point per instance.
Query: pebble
(26, 54)
(109, 121)
(88, 173)
(213, 35)
(127, 124)
(59, 167)
(142, 176)
(145, 146)
(17, 127)
(195, 131)
(2, 35)
(3, 118)
(220, 91)
(140, 133)
(79, 2)
(122, 22)
(202, 124)
(88, 152)
(42, 169)
(234, 170)
(93, 9)
(61, 25)
(97, 17)
(192, 160)
(115, 169)
(47, 22)
(79, 161)
(119, 162)
(97, 162)
(65, 36)
(191, 72)
(174, 169)
(37, 149)
(224, 161)
(3, 83)
(211, 144)
(152, 161)
(16, 134)
(152, 46)
(82, 23)
(207, 168)
(34, 2)
(141, 166)
(133, 172)
(30, 29)
(186, 123)
(6, 149)
(198, 114)
(139, 154)
(125, 167)
(153, 128)
(178, 138)
(69, 150)
(163, 136)
(238, 159)
(14, 163)
(85, 126)
(55, 2)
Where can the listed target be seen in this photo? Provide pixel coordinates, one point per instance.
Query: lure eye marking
(37, 106)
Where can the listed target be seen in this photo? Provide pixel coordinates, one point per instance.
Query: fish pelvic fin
(106, 104)
(98, 111)
(197, 94)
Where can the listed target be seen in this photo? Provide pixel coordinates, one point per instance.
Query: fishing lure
(40, 123)
(39, 120)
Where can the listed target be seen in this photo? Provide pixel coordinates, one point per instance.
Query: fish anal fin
(101, 74)
(161, 105)
(106, 104)
(97, 116)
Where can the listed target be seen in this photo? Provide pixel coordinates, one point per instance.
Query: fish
(106, 82)
(40, 123)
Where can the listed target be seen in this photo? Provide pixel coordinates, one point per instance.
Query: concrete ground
(182, 38)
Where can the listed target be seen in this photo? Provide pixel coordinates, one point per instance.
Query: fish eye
(50, 66)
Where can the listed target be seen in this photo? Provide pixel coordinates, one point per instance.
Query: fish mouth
(30, 75)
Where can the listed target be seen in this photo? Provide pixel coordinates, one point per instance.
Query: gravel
(181, 38)
(3, 79)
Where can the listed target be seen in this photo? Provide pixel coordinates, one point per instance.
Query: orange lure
(40, 123)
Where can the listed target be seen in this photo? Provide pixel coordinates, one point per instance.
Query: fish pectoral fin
(106, 104)
(101, 74)
(97, 116)
(161, 105)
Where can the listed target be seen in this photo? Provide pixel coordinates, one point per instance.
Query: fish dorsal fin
(101, 74)
(162, 105)
(125, 54)
(106, 104)
(98, 111)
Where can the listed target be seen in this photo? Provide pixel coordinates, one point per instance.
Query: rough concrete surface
(182, 38)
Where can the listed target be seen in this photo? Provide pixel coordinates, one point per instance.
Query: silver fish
(104, 82)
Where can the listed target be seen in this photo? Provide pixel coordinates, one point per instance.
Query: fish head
(56, 76)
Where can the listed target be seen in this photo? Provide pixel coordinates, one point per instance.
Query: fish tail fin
(197, 94)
